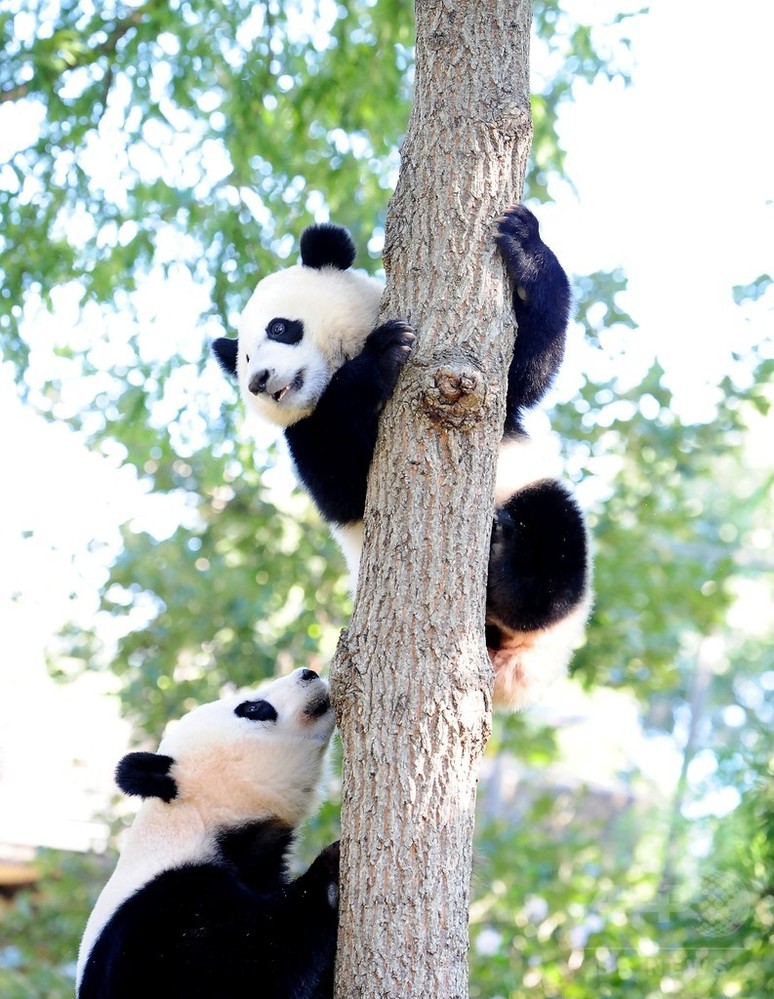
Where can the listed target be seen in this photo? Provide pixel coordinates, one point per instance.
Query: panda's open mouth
(293, 386)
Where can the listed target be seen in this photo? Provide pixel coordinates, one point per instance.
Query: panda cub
(200, 903)
(310, 358)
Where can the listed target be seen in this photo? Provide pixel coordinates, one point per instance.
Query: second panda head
(241, 758)
(300, 325)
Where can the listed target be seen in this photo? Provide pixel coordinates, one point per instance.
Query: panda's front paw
(540, 286)
(518, 237)
(390, 345)
(517, 222)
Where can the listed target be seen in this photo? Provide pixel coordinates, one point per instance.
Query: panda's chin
(284, 412)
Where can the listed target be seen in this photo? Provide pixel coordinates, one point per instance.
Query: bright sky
(674, 180)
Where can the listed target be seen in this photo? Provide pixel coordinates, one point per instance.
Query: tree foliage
(189, 143)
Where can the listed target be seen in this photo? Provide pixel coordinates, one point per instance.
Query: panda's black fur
(347, 415)
(327, 388)
(201, 904)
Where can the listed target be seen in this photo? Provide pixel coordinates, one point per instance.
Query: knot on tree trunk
(454, 394)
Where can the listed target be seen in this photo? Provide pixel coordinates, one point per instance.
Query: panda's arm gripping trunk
(332, 448)
(541, 303)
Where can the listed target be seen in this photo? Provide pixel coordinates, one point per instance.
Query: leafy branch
(66, 51)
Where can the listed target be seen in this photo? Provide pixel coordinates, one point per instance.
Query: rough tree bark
(411, 679)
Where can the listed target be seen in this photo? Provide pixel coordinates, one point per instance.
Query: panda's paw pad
(392, 342)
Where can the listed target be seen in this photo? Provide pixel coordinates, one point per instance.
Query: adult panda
(200, 903)
(310, 358)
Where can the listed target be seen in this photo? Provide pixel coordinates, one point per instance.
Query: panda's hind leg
(538, 563)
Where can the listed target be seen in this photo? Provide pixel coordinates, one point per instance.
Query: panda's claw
(517, 223)
(399, 329)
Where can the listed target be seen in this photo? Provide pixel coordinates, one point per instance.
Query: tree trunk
(411, 679)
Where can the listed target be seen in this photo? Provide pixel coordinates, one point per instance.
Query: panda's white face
(300, 325)
(253, 756)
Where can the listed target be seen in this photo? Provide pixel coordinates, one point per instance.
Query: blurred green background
(158, 158)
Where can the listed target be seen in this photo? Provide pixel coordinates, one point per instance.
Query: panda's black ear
(146, 775)
(327, 245)
(226, 350)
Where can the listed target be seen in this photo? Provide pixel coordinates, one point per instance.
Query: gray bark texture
(411, 679)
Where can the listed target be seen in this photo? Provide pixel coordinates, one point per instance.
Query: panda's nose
(308, 674)
(259, 381)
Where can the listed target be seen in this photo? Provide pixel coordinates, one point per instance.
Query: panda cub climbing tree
(200, 903)
(310, 358)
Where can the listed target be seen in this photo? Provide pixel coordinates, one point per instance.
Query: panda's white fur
(338, 309)
(529, 663)
(349, 538)
(229, 771)
(522, 461)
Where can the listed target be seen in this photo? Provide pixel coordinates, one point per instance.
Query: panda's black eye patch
(288, 331)
(256, 711)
